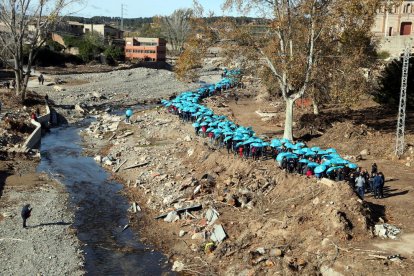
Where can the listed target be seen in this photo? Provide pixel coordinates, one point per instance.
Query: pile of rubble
(222, 206)
(386, 230)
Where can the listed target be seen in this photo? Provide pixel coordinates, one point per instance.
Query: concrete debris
(212, 215)
(172, 217)
(261, 250)
(199, 236)
(275, 252)
(178, 266)
(218, 234)
(182, 233)
(98, 159)
(386, 230)
(187, 138)
(197, 189)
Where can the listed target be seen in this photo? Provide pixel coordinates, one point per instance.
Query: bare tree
(176, 28)
(25, 26)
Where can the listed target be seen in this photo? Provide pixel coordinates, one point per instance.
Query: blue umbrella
(203, 124)
(339, 161)
(304, 161)
(331, 156)
(257, 145)
(284, 140)
(265, 144)
(291, 156)
(227, 138)
(313, 164)
(331, 169)
(275, 143)
(331, 150)
(196, 125)
(280, 156)
(320, 169)
(315, 148)
(352, 166)
(299, 151)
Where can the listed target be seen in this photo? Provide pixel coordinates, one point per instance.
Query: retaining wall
(36, 136)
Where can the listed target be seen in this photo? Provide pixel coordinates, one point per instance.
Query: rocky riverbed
(49, 245)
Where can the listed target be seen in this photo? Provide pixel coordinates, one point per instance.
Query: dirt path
(49, 238)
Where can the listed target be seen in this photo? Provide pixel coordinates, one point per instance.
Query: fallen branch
(112, 137)
(136, 166)
(116, 169)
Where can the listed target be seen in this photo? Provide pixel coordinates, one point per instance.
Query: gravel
(123, 87)
(48, 246)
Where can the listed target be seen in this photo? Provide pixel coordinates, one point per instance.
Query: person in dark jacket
(26, 212)
(378, 183)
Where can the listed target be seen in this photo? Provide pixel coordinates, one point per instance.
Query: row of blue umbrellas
(221, 125)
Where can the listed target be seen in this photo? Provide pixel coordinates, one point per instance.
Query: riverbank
(273, 222)
(49, 238)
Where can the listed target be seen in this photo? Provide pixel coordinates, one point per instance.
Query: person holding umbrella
(128, 115)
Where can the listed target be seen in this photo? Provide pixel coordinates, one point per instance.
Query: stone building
(394, 26)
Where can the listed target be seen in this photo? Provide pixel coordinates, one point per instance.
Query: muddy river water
(100, 210)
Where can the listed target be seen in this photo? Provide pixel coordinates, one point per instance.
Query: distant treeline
(138, 23)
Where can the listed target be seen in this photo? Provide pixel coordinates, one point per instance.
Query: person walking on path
(360, 185)
(26, 212)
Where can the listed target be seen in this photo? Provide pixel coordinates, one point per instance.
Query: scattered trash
(182, 233)
(180, 210)
(211, 216)
(172, 216)
(209, 247)
(125, 227)
(386, 230)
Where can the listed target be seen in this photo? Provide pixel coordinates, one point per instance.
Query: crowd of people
(293, 157)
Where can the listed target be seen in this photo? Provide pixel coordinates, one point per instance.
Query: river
(100, 209)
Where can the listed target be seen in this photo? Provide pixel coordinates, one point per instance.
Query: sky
(141, 8)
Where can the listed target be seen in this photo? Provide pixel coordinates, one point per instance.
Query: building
(393, 26)
(144, 48)
(107, 31)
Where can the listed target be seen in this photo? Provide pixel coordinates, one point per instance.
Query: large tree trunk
(288, 133)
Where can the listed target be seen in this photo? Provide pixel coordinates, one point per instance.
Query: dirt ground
(276, 223)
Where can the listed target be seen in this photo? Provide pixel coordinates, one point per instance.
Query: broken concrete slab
(386, 230)
(218, 234)
(212, 215)
(172, 217)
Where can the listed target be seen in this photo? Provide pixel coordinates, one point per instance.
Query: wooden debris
(136, 166)
(117, 168)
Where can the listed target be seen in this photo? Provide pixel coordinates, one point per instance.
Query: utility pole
(399, 147)
(123, 9)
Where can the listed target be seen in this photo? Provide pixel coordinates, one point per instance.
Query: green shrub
(383, 55)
